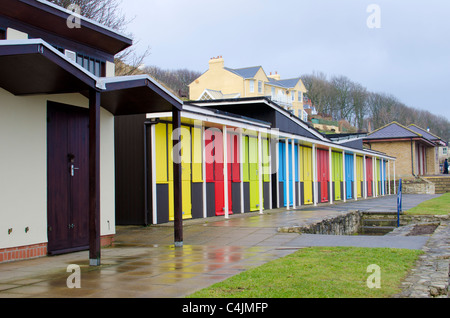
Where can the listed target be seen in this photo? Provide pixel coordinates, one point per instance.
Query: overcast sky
(408, 56)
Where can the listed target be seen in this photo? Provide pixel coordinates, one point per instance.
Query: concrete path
(144, 263)
(307, 240)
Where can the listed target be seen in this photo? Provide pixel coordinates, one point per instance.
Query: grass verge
(320, 272)
(436, 206)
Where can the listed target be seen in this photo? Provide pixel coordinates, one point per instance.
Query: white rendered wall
(23, 167)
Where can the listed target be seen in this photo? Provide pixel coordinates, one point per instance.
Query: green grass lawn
(320, 272)
(437, 206)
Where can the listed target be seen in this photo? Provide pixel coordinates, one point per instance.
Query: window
(305, 116)
(2, 34)
(96, 67)
(260, 88)
(444, 150)
(252, 86)
(206, 97)
(293, 96)
(300, 96)
(273, 91)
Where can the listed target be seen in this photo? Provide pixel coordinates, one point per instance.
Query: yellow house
(220, 82)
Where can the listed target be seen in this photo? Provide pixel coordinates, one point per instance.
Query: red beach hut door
(369, 176)
(323, 174)
(214, 168)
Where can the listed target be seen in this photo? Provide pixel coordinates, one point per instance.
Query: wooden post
(177, 184)
(153, 167)
(94, 178)
(225, 172)
(365, 177)
(383, 176)
(375, 181)
(293, 174)
(344, 183)
(389, 176)
(300, 203)
(286, 157)
(330, 175)
(205, 215)
(314, 156)
(260, 174)
(241, 169)
(355, 179)
(277, 169)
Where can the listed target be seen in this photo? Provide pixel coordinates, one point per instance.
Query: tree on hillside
(176, 80)
(349, 101)
(359, 97)
(380, 108)
(105, 12)
(320, 92)
(343, 102)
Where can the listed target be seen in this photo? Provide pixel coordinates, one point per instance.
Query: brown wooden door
(68, 178)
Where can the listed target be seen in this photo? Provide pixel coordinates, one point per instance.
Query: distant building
(220, 82)
(442, 146)
(308, 106)
(416, 149)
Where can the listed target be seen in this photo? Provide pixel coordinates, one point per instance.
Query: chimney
(276, 76)
(216, 63)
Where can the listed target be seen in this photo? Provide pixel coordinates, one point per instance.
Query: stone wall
(351, 223)
(418, 186)
(346, 224)
(418, 219)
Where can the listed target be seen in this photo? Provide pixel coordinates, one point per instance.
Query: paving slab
(307, 240)
(145, 264)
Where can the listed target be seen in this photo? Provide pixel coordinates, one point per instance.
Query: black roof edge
(224, 113)
(256, 99)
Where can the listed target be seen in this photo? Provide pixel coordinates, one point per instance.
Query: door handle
(72, 170)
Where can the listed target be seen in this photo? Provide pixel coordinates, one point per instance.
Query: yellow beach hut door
(164, 141)
(306, 174)
(253, 172)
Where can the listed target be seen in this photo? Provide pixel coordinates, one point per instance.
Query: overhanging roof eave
(33, 66)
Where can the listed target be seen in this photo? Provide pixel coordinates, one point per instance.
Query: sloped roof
(54, 73)
(219, 95)
(423, 132)
(247, 72)
(52, 19)
(287, 83)
(250, 72)
(393, 130)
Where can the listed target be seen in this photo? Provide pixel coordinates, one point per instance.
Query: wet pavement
(145, 264)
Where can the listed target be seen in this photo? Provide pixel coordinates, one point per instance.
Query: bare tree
(105, 12)
(347, 101)
(320, 92)
(383, 109)
(359, 98)
(109, 14)
(343, 102)
(177, 80)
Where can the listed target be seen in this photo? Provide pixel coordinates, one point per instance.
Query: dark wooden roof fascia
(34, 67)
(53, 19)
